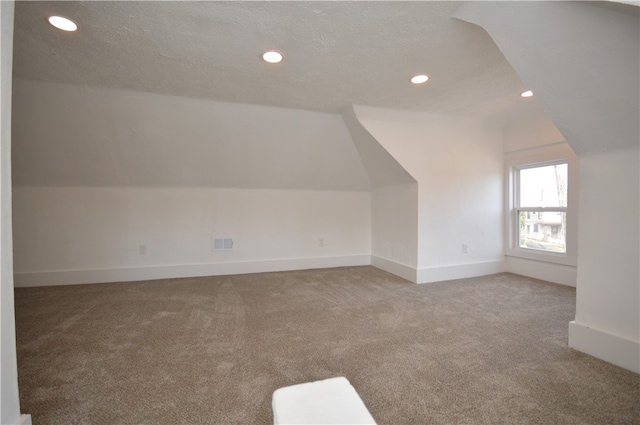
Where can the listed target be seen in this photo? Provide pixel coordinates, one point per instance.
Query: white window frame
(557, 154)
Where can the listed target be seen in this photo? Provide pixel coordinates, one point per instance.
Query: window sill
(546, 257)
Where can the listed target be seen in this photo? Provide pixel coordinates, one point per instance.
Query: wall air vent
(222, 244)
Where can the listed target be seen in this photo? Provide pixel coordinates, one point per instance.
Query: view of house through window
(542, 207)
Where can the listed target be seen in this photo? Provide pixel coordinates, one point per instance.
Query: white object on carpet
(331, 401)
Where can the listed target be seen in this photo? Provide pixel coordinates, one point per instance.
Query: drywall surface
(458, 164)
(394, 205)
(66, 135)
(582, 61)
(381, 167)
(9, 394)
(529, 128)
(9, 400)
(608, 296)
(210, 49)
(84, 229)
(394, 211)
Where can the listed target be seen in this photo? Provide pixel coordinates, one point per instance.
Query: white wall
(394, 229)
(458, 164)
(68, 135)
(608, 298)
(9, 397)
(583, 60)
(82, 235)
(394, 206)
(98, 172)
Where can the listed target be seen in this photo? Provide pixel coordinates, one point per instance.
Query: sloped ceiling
(382, 168)
(583, 56)
(69, 135)
(198, 69)
(336, 53)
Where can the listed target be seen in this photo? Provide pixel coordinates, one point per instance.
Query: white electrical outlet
(222, 244)
(142, 249)
(320, 242)
(465, 248)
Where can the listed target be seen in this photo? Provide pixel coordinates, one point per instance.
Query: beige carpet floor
(488, 350)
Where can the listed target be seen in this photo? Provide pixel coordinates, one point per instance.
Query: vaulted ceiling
(335, 53)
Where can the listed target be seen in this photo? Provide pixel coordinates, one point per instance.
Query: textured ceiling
(336, 53)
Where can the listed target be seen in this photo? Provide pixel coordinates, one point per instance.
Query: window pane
(544, 231)
(543, 186)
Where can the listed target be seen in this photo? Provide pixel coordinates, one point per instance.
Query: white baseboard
(460, 271)
(401, 270)
(438, 274)
(605, 346)
(23, 420)
(76, 277)
(556, 273)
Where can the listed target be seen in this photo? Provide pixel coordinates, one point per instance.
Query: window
(541, 204)
(541, 201)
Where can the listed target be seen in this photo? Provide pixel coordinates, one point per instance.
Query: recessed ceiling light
(419, 79)
(63, 23)
(272, 56)
(527, 93)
